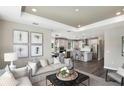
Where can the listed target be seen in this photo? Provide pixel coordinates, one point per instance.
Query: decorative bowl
(68, 77)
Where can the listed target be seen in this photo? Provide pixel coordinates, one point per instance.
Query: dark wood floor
(94, 67)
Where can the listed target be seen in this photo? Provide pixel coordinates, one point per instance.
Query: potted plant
(64, 72)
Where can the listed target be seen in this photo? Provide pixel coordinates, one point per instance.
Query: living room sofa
(42, 72)
(25, 77)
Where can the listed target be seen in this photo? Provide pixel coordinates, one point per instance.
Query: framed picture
(21, 50)
(36, 50)
(36, 38)
(20, 37)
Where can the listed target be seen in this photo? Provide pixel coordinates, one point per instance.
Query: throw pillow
(56, 61)
(33, 67)
(7, 79)
(7, 68)
(38, 65)
(20, 72)
(43, 62)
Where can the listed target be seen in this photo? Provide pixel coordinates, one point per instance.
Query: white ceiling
(67, 14)
(14, 14)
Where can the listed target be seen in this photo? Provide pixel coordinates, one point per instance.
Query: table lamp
(10, 57)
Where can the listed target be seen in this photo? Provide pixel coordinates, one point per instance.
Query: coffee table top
(56, 82)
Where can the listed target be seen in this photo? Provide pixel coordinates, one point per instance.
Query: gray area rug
(94, 81)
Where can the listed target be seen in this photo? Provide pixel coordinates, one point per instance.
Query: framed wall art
(36, 50)
(36, 38)
(21, 50)
(20, 37)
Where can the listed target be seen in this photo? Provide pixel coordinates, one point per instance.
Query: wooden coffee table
(79, 80)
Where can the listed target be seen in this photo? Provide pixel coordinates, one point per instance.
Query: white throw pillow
(7, 79)
(33, 67)
(56, 61)
(43, 62)
(20, 72)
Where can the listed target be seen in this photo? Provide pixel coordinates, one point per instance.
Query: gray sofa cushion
(49, 68)
(20, 72)
(42, 72)
(24, 81)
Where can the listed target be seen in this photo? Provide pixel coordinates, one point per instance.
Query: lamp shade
(10, 56)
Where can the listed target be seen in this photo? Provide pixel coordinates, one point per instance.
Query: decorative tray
(70, 77)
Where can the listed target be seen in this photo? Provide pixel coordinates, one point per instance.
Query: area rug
(94, 81)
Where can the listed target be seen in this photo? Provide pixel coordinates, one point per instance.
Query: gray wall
(113, 47)
(0, 41)
(1, 60)
(6, 39)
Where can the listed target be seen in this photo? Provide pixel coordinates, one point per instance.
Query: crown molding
(106, 22)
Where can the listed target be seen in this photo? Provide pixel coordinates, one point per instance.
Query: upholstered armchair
(117, 75)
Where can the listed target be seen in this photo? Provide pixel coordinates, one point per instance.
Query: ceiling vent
(57, 35)
(34, 23)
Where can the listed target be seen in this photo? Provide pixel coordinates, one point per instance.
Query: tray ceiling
(74, 15)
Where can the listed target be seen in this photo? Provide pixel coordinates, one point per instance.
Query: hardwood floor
(94, 67)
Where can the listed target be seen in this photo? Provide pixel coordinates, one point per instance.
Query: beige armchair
(117, 75)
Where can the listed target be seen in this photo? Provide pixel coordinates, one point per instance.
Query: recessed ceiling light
(79, 25)
(118, 13)
(68, 31)
(76, 10)
(34, 10)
